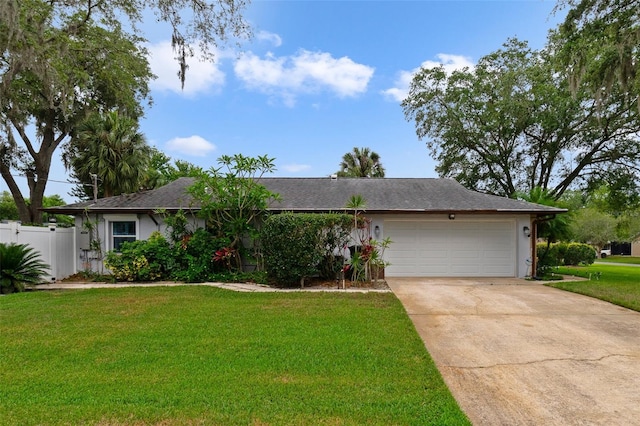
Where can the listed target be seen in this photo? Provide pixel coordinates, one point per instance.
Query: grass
(199, 355)
(621, 259)
(614, 283)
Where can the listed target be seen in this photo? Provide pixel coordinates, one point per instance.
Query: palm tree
(361, 162)
(19, 265)
(110, 147)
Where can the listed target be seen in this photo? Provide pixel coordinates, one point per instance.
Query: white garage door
(450, 249)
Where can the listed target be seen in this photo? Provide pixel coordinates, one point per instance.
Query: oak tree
(600, 45)
(62, 59)
(512, 124)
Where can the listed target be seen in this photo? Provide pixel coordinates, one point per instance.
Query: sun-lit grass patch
(200, 355)
(613, 283)
(621, 259)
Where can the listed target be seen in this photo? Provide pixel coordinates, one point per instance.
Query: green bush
(560, 254)
(189, 260)
(579, 254)
(195, 257)
(149, 260)
(19, 265)
(548, 256)
(297, 246)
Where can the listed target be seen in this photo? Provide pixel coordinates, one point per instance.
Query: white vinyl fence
(57, 246)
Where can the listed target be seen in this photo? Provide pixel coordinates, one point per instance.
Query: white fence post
(53, 261)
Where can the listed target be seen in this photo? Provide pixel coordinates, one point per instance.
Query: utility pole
(95, 186)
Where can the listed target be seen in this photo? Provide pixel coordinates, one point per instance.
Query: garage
(451, 248)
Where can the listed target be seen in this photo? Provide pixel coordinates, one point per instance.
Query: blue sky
(319, 78)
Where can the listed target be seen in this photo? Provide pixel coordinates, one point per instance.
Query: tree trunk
(37, 177)
(21, 204)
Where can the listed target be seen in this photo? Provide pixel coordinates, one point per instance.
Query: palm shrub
(19, 265)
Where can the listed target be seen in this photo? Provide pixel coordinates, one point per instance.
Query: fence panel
(57, 246)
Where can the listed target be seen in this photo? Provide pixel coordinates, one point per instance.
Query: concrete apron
(515, 352)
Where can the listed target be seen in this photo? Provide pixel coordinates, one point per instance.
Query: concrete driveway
(515, 352)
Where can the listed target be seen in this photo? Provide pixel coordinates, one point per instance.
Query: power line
(51, 180)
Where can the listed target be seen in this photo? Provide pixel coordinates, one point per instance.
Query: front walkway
(515, 352)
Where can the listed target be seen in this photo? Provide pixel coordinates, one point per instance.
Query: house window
(122, 232)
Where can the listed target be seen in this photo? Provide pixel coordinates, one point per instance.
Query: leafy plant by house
(19, 265)
(377, 262)
(232, 200)
(190, 260)
(367, 256)
(149, 260)
(224, 256)
(295, 245)
(195, 256)
(177, 226)
(95, 243)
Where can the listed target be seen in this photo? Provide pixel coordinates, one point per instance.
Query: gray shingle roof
(326, 194)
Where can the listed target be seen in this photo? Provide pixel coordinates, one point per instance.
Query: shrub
(189, 260)
(560, 254)
(196, 255)
(149, 260)
(549, 256)
(578, 253)
(296, 245)
(19, 265)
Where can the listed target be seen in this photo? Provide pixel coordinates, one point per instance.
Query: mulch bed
(310, 283)
(323, 283)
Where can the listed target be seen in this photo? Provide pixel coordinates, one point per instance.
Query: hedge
(560, 254)
(296, 246)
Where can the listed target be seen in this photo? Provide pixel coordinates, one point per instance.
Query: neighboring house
(635, 247)
(438, 228)
(616, 248)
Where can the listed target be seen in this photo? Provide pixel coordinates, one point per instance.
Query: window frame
(112, 221)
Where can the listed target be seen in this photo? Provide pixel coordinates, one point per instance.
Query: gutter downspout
(534, 241)
(154, 221)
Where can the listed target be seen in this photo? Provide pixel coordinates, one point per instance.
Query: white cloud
(195, 146)
(303, 73)
(295, 168)
(202, 76)
(450, 63)
(272, 38)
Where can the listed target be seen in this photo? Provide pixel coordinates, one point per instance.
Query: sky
(318, 79)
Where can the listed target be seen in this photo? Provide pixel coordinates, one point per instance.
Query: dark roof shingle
(327, 194)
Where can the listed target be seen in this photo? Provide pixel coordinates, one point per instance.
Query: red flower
(224, 254)
(185, 241)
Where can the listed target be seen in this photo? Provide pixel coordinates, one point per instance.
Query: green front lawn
(616, 284)
(620, 259)
(199, 355)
